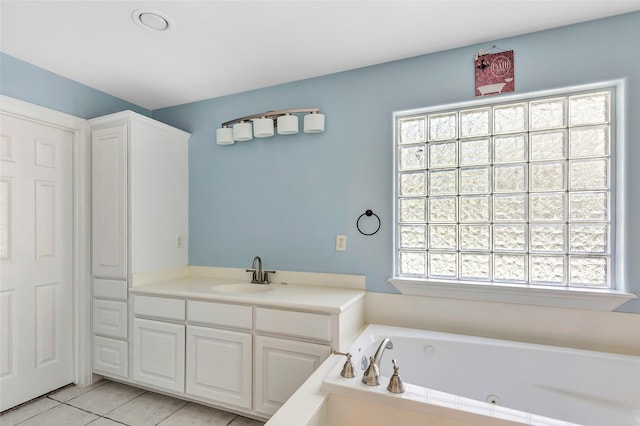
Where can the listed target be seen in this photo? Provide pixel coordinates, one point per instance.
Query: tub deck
(457, 380)
(530, 383)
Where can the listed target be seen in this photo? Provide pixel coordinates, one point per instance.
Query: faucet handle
(254, 277)
(395, 383)
(371, 376)
(348, 372)
(265, 276)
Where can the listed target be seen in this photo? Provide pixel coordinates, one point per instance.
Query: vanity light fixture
(241, 129)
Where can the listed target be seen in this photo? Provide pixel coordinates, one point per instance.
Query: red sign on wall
(494, 73)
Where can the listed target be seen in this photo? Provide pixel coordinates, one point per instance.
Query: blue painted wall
(285, 198)
(38, 86)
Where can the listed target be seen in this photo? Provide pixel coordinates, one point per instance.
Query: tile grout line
(178, 409)
(80, 394)
(24, 404)
(49, 397)
(29, 402)
(121, 405)
(104, 416)
(233, 420)
(67, 403)
(90, 412)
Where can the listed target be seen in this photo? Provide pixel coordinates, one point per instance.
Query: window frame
(575, 297)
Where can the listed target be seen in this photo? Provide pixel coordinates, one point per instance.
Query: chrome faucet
(258, 275)
(372, 374)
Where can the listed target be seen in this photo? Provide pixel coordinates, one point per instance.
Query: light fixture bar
(271, 114)
(262, 125)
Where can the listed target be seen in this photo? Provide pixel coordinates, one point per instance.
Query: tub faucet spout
(385, 344)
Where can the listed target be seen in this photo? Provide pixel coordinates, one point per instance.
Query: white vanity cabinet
(139, 211)
(159, 345)
(239, 356)
(281, 366)
(244, 356)
(284, 362)
(219, 361)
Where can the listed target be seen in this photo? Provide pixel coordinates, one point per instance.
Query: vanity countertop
(292, 296)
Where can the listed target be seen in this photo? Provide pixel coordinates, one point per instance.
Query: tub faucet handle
(395, 384)
(348, 372)
(372, 374)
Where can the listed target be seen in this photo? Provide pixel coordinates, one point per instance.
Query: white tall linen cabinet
(139, 204)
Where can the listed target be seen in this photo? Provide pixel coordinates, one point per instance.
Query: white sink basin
(242, 288)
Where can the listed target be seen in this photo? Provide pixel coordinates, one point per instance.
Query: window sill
(596, 300)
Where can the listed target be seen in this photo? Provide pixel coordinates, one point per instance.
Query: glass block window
(514, 192)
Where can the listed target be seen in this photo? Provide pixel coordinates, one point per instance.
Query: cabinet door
(109, 202)
(219, 365)
(159, 185)
(281, 366)
(158, 354)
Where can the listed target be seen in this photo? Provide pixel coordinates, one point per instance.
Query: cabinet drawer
(109, 289)
(312, 326)
(159, 307)
(220, 314)
(110, 357)
(110, 318)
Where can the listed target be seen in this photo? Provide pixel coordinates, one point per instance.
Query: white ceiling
(217, 48)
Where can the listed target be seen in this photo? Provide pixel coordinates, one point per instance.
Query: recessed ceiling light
(152, 20)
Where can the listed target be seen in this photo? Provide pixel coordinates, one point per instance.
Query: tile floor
(109, 403)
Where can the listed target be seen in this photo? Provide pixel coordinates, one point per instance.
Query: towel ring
(368, 213)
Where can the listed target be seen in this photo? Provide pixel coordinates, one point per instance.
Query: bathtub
(487, 381)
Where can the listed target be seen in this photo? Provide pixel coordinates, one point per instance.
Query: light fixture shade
(224, 136)
(314, 123)
(242, 131)
(263, 127)
(288, 124)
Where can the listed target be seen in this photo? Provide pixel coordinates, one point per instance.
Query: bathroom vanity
(248, 352)
(245, 350)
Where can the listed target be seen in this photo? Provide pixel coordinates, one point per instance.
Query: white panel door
(219, 365)
(281, 366)
(36, 259)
